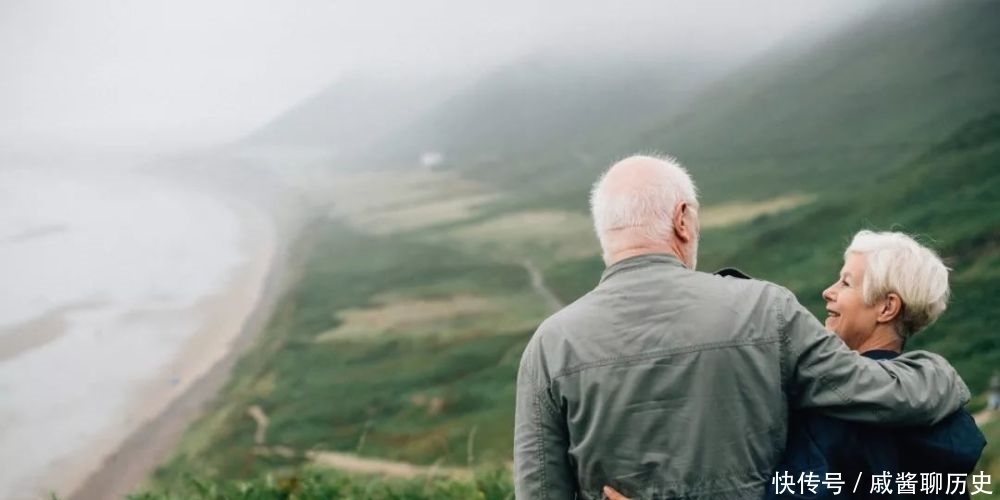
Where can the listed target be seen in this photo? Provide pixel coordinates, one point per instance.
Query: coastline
(204, 364)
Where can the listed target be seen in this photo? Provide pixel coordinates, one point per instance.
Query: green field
(401, 340)
(382, 392)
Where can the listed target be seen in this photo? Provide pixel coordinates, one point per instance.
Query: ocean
(104, 277)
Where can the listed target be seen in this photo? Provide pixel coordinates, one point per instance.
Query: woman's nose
(828, 294)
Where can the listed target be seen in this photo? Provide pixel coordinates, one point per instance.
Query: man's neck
(637, 250)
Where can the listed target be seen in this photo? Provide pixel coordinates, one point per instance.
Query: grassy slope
(816, 118)
(326, 485)
(854, 105)
(946, 195)
(949, 197)
(324, 396)
(327, 395)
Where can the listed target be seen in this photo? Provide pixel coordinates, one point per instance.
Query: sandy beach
(230, 321)
(222, 321)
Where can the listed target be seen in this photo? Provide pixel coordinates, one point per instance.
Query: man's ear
(683, 230)
(892, 308)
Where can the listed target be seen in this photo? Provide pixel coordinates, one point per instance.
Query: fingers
(614, 495)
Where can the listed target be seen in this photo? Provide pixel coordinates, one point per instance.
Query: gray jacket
(669, 383)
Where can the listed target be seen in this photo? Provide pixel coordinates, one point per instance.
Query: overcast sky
(135, 71)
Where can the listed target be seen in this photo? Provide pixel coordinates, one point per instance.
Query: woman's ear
(892, 308)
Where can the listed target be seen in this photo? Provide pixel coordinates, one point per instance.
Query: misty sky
(133, 71)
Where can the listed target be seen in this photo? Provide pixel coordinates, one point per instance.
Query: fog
(119, 73)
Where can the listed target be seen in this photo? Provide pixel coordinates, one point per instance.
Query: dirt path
(259, 418)
(349, 462)
(352, 463)
(538, 283)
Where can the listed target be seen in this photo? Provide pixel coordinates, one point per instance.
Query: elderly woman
(889, 289)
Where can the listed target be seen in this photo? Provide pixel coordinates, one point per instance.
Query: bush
(316, 485)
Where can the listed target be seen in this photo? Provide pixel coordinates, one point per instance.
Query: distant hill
(858, 103)
(894, 123)
(351, 115)
(566, 110)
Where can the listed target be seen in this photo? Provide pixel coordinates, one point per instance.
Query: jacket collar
(880, 354)
(640, 261)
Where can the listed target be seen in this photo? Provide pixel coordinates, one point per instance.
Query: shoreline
(140, 452)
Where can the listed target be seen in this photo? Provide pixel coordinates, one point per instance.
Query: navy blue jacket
(821, 445)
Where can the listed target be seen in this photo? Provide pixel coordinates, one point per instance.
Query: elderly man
(668, 383)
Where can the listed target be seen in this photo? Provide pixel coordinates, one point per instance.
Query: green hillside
(332, 376)
(372, 395)
(401, 342)
(832, 115)
(815, 117)
(948, 197)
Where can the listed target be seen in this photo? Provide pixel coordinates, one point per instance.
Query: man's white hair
(896, 263)
(648, 208)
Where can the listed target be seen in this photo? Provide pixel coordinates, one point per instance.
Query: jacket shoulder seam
(664, 352)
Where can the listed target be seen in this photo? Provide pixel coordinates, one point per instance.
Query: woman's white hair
(898, 264)
(647, 208)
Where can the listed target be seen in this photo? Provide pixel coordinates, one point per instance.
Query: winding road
(538, 284)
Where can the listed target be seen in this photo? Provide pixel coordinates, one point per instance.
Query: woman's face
(847, 315)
